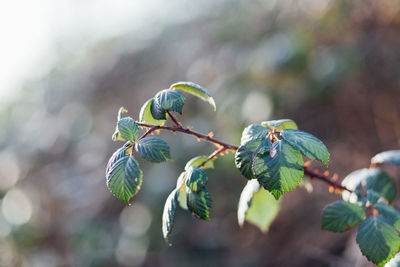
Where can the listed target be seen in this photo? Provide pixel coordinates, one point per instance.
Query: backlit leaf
(253, 131)
(246, 197)
(171, 100)
(390, 213)
(146, 116)
(281, 172)
(199, 203)
(196, 161)
(196, 179)
(181, 186)
(124, 178)
(378, 240)
(257, 206)
(361, 181)
(128, 129)
(392, 156)
(169, 213)
(120, 153)
(373, 196)
(195, 90)
(280, 124)
(341, 216)
(394, 262)
(307, 144)
(246, 153)
(153, 149)
(121, 111)
(116, 135)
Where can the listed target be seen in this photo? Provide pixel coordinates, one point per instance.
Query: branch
(325, 179)
(213, 156)
(222, 146)
(188, 131)
(174, 119)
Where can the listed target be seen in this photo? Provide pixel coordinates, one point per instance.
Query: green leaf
(157, 111)
(252, 132)
(181, 186)
(169, 213)
(153, 149)
(390, 213)
(124, 178)
(245, 155)
(392, 156)
(196, 161)
(373, 196)
(341, 216)
(146, 116)
(280, 172)
(116, 135)
(121, 111)
(195, 90)
(378, 240)
(199, 203)
(120, 153)
(394, 262)
(196, 179)
(361, 181)
(280, 124)
(307, 144)
(257, 206)
(128, 129)
(169, 99)
(246, 198)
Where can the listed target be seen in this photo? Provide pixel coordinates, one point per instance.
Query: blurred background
(67, 66)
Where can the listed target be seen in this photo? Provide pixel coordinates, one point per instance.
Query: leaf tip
(121, 111)
(212, 103)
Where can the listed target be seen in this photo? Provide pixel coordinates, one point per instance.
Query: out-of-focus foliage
(332, 66)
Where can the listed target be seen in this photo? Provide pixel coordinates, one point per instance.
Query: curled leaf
(195, 90)
(146, 115)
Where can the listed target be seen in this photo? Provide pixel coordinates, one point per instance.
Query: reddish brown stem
(213, 156)
(187, 131)
(149, 131)
(325, 179)
(174, 119)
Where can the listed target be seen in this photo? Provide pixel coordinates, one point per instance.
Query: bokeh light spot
(16, 207)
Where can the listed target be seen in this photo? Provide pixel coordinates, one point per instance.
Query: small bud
(307, 163)
(331, 189)
(375, 212)
(335, 177)
(326, 173)
(210, 134)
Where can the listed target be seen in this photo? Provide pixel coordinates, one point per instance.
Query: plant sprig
(271, 156)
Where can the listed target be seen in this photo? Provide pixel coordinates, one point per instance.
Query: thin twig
(213, 156)
(149, 131)
(177, 123)
(187, 131)
(325, 179)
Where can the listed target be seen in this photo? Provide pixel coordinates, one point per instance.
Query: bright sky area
(30, 28)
